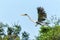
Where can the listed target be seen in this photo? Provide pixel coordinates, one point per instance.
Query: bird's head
(24, 14)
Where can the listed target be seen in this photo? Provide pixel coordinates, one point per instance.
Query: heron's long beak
(23, 14)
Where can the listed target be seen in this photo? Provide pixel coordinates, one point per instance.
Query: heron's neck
(31, 19)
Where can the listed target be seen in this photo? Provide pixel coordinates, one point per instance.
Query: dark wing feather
(41, 14)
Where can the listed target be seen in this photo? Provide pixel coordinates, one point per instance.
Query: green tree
(25, 36)
(2, 30)
(16, 32)
(12, 33)
(49, 32)
(9, 34)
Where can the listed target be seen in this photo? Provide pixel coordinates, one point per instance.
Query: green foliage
(17, 29)
(12, 32)
(49, 33)
(0, 38)
(25, 36)
(45, 29)
(15, 37)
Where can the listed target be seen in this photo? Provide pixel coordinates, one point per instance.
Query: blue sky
(10, 11)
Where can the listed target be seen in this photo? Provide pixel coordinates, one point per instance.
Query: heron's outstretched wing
(41, 14)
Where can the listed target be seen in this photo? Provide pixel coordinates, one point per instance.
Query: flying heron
(41, 16)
